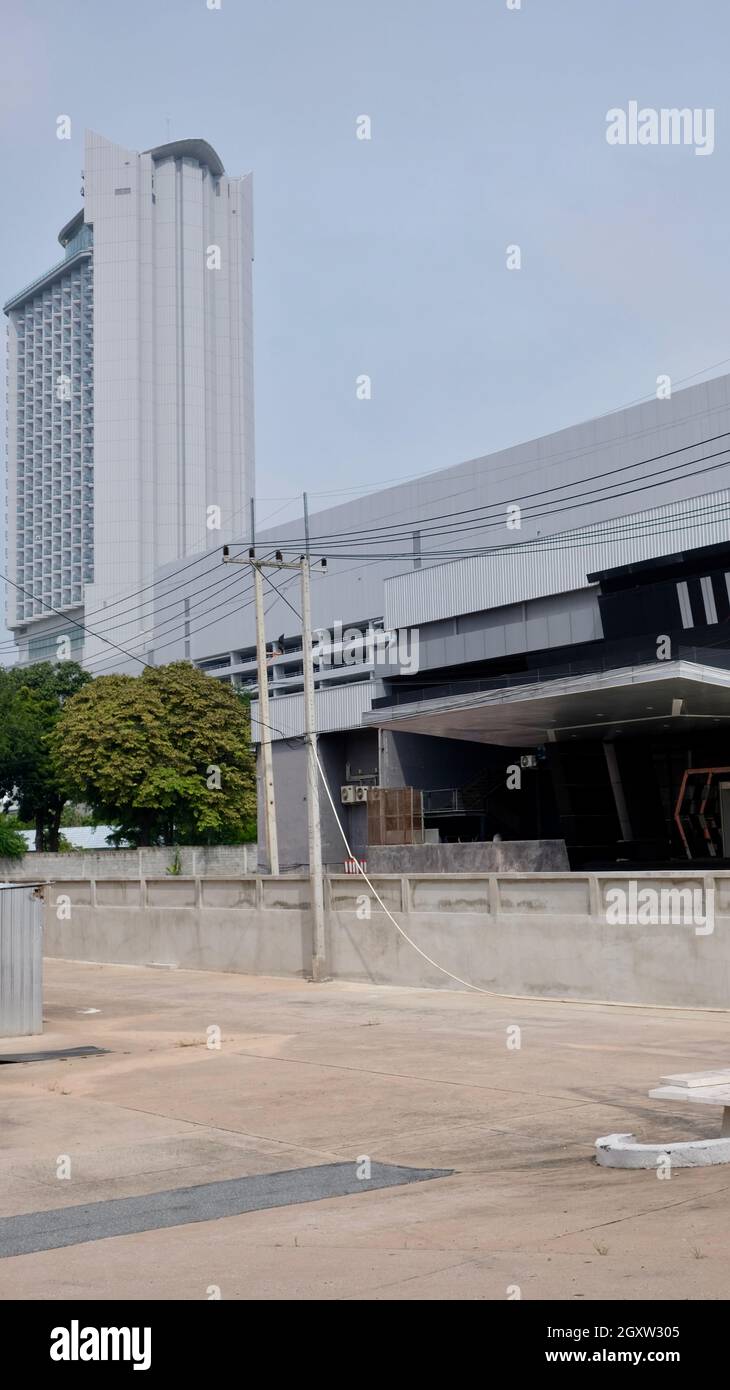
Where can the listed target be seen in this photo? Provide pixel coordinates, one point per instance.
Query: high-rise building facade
(130, 398)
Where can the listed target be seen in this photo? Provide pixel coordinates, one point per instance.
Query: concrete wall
(472, 857)
(547, 935)
(207, 861)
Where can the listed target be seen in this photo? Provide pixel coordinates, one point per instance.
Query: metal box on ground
(21, 959)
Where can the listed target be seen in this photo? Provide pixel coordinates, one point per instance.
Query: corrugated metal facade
(518, 572)
(591, 472)
(340, 707)
(21, 960)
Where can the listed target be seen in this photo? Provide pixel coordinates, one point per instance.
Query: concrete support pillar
(622, 810)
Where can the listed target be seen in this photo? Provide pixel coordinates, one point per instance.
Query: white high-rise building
(130, 398)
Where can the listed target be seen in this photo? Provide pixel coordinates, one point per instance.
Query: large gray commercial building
(563, 604)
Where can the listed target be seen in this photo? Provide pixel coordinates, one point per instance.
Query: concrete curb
(622, 1151)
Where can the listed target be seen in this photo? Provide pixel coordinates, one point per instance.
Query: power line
(277, 590)
(453, 525)
(440, 552)
(124, 598)
(422, 524)
(106, 607)
(451, 518)
(114, 627)
(202, 627)
(74, 622)
(566, 540)
(437, 474)
(176, 623)
(539, 544)
(183, 618)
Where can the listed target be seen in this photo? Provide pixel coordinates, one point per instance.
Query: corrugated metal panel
(560, 564)
(21, 961)
(340, 707)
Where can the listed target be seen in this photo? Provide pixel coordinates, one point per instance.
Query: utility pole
(272, 842)
(303, 564)
(319, 946)
(313, 822)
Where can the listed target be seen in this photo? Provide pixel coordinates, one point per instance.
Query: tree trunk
(145, 829)
(39, 832)
(55, 828)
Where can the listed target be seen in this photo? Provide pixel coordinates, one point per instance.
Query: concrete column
(622, 810)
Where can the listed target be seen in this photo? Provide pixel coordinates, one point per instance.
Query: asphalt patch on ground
(124, 1216)
(51, 1055)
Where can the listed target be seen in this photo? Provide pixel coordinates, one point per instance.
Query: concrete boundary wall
(208, 861)
(553, 935)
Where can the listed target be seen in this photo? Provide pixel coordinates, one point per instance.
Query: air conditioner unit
(528, 760)
(347, 795)
(361, 793)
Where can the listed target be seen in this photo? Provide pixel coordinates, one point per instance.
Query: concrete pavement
(312, 1075)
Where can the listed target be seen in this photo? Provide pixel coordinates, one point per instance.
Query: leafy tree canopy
(31, 700)
(165, 756)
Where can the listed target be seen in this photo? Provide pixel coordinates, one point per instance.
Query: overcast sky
(388, 256)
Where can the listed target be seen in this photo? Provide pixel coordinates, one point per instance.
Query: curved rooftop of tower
(72, 228)
(190, 149)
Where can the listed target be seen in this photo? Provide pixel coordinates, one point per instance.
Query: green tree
(165, 756)
(31, 701)
(12, 843)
